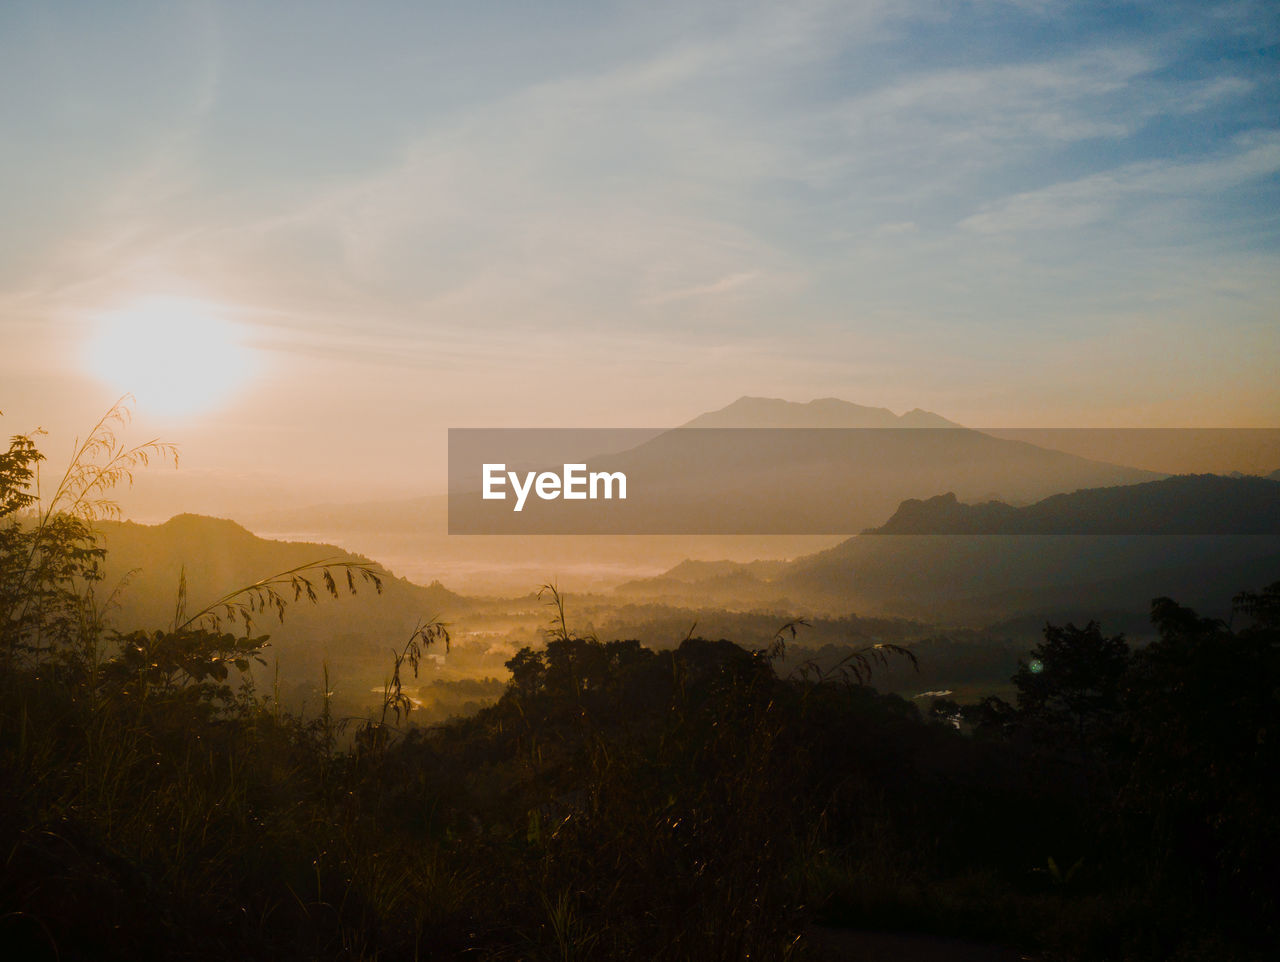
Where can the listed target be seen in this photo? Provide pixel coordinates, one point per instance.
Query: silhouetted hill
(983, 574)
(696, 571)
(725, 584)
(219, 556)
(1183, 504)
(979, 578)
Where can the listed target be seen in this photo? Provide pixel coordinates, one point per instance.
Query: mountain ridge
(979, 578)
(1186, 504)
(750, 411)
(218, 555)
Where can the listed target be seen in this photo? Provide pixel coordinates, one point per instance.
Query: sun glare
(177, 357)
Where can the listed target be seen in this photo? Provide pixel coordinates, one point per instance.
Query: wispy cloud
(907, 181)
(1097, 197)
(723, 285)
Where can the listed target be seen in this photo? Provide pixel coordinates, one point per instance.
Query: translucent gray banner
(839, 481)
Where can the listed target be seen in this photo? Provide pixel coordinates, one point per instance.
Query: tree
(49, 555)
(50, 561)
(1073, 683)
(1203, 715)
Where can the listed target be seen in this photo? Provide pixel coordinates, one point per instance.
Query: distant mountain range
(858, 481)
(828, 467)
(765, 412)
(980, 578)
(1184, 504)
(973, 579)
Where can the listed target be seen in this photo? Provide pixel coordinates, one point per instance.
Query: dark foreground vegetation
(617, 802)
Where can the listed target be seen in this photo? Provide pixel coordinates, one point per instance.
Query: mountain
(829, 412)
(218, 556)
(979, 580)
(726, 584)
(1192, 504)
(795, 480)
(982, 578)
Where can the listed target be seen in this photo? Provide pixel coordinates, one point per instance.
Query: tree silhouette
(1073, 683)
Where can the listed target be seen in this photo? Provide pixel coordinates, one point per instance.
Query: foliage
(1072, 683)
(616, 802)
(135, 773)
(1204, 710)
(1169, 751)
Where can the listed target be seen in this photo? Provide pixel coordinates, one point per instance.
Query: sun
(176, 357)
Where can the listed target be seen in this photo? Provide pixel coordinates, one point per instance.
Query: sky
(310, 237)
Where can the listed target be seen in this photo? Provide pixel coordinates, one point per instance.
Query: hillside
(1185, 504)
(981, 578)
(144, 564)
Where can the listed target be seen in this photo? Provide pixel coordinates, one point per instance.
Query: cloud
(731, 164)
(965, 117)
(723, 285)
(1097, 197)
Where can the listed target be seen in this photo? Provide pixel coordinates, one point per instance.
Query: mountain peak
(828, 412)
(189, 523)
